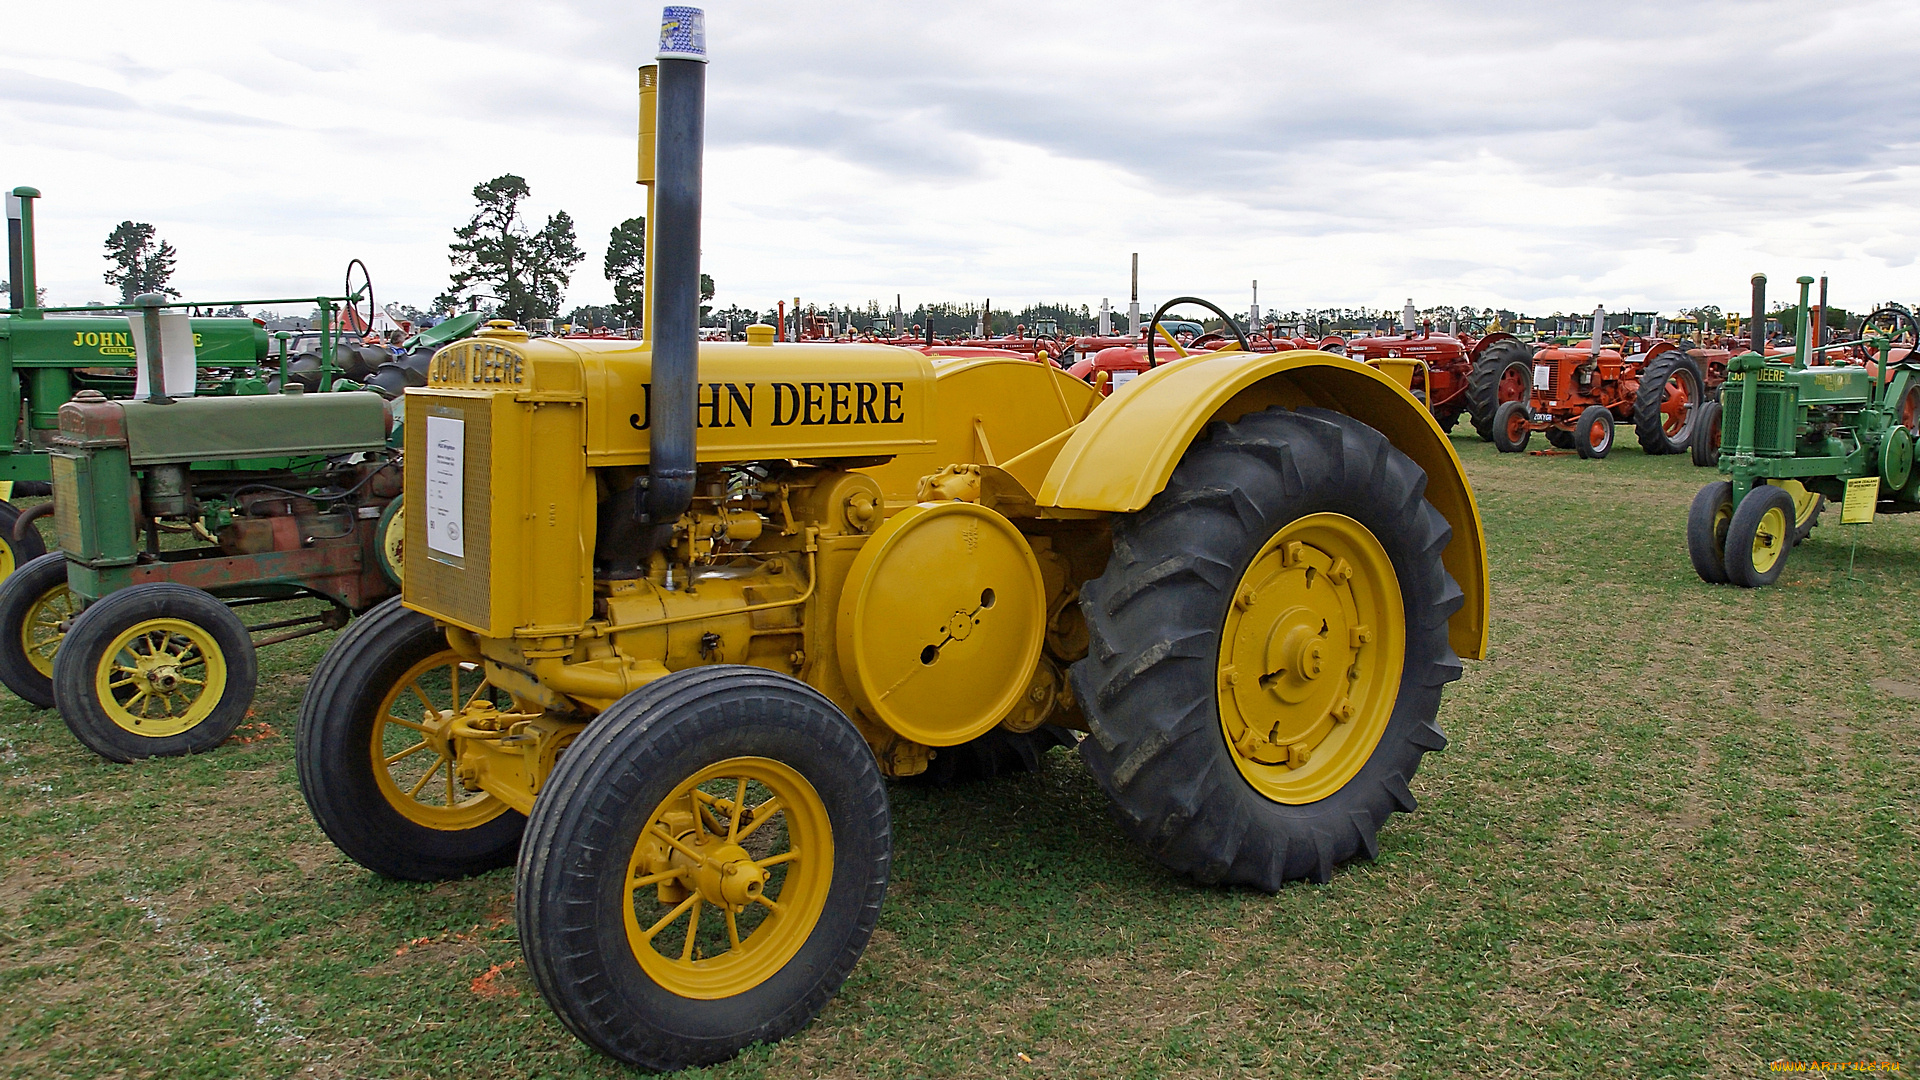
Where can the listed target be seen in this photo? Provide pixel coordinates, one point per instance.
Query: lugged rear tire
(340, 721)
(588, 837)
(1649, 402)
(1500, 365)
(1151, 683)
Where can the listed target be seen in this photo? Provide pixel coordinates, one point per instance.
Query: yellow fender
(1121, 456)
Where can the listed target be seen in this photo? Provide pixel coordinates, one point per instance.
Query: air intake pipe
(676, 271)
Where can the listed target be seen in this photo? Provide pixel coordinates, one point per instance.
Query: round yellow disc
(941, 622)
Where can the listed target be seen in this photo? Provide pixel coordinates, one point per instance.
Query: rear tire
(1707, 521)
(594, 829)
(34, 601)
(1152, 685)
(356, 706)
(1593, 432)
(1512, 427)
(156, 670)
(1704, 443)
(1503, 373)
(1759, 537)
(1654, 424)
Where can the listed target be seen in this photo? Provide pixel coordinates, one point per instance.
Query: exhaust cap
(683, 33)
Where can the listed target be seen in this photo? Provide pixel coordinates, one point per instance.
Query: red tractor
(1577, 393)
(1449, 361)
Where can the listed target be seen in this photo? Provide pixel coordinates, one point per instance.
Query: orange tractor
(1447, 363)
(1578, 392)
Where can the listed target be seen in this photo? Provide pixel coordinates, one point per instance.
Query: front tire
(15, 554)
(1593, 432)
(1759, 537)
(1703, 445)
(35, 604)
(1707, 521)
(156, 670)
(655, 813)
(374, 760)
(1299, 535)
(1512, 427)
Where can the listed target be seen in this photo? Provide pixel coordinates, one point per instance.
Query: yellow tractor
(674, 612)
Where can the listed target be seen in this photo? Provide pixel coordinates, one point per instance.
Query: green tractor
(192, 476)
(1833, 422)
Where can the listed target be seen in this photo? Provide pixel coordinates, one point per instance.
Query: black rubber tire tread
(30, 546)
(1501, 417)
(1559, 438)
(1706, 549)
(1449, 416)
(1593, 416)
(93, 631)
(1649, 424)
(336, 774)
(18, 593)
(1740, 531)
(1483, 382)
(589, 815)
(1704, 444)
(1148, 684)
(997, 753)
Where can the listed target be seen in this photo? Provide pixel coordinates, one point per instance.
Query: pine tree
(495, 255)
(141, 262)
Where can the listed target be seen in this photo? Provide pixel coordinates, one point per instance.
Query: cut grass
(1674, 836)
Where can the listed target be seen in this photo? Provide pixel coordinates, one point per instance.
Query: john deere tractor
(674, 611)
(1795, 434)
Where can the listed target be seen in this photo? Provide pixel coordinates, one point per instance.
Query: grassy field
(1675, 835)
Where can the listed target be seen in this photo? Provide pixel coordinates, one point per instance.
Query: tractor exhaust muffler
(681, 135)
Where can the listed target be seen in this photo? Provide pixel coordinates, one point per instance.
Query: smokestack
(23, 290)
(1253, 313)
(1409, 318)
(1133, 305)
(675, 230)
(1757, 329)
(1106, 318)
(1599, 328)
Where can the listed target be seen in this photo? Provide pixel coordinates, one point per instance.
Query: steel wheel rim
(1516, 427)
(1769, 539)
(8, 564)
(161, 677)
(412, 723)
(704, 847)
(1677, 410)
(1311, 652)
(40, 632)
(1514, 383)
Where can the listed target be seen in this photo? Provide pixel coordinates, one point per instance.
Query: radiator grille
(66, 508)
(459, 590)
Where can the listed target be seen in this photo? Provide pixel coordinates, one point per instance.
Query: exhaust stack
(675, 284)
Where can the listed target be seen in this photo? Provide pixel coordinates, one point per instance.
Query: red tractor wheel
(1503, 373)
(1593, 432)
(1512, 427)
(1668, 403)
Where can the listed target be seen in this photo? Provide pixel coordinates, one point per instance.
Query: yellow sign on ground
(1862, 493)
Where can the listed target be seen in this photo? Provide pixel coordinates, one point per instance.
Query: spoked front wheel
(703, 867)
(36, 608)
(154, 670)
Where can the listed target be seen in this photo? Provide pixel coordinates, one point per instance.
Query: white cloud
(1548, 156)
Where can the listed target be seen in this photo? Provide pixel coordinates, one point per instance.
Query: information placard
(1862, 493)
(446, 485)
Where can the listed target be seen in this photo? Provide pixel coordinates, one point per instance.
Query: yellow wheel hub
(728, 878)
(1770, 539)
(161, 677)
(415, 757)
(7, 562)
(1310, 658)
(45, 625)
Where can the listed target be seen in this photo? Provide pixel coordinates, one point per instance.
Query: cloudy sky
(1547, 156)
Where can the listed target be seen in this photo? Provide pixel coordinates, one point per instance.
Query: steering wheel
(352, 295)
(1210, 306)
(1893, 315)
